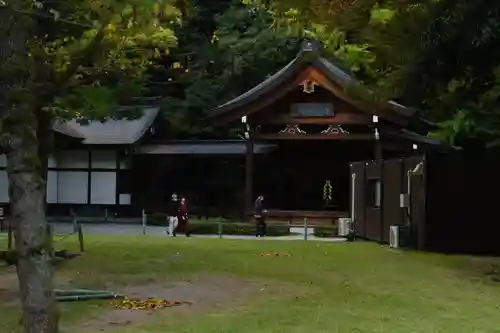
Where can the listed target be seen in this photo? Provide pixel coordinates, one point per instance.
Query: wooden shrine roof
(309, 57)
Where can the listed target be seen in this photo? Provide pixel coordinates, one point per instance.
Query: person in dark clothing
(260, 219)
(183, 217)
(172, 215)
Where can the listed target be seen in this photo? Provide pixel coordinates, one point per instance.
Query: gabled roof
(309, 56)
(109, 132)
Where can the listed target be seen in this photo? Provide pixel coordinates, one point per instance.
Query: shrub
(232, 228)
(325, 232)
(211, 227)
(161, 220)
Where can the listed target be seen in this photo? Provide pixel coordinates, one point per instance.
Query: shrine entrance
(319, 129)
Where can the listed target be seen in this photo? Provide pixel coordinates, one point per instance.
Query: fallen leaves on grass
(275, 254)
(147, 304)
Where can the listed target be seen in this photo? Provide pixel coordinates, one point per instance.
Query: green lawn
(325, 287)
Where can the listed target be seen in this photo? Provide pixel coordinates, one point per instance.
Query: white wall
(103, 185)
(71, 186)
(52, 186)
(51, 181)
(72, 159)
(104, 159)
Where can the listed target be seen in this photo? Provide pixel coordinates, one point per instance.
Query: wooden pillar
(378, 152)
(249, 176)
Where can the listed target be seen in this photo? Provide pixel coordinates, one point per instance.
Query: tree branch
(61, 80)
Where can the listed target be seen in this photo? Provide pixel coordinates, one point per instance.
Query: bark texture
(27, 190)
(19, 140)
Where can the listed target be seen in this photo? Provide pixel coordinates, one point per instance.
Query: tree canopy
(63, 60)
(438, 56)
(237, 52)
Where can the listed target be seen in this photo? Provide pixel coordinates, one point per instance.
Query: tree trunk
(18, 139)
(27, 196)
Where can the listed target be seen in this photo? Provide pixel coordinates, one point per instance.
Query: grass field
(320, 287)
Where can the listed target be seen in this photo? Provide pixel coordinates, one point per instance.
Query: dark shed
(446, 200)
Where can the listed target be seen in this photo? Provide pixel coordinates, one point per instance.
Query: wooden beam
(341, 118)
(249, 176)
(285, 136)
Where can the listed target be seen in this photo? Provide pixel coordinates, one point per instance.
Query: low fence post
(75, 222)
(220, 228)
(144, 221)
(80, 237)
(305, 228)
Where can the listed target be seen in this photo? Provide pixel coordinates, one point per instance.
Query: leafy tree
(241, 50)
(56, 53)
(439, 56)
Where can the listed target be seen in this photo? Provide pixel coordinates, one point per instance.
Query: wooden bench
(295, 218)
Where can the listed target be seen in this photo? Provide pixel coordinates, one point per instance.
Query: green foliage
(228, 228)
(241, 51)
(380, 15)
(87, 54)
(326, 232)
(438, 56)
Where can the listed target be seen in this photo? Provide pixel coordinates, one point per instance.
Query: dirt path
(206, 293)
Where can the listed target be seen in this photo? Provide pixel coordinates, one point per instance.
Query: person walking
(260, 220)
(183, 217)
(172, 215)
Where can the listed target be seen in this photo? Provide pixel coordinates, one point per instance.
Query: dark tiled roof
(66, 129)
(109, 132)
(202, 148)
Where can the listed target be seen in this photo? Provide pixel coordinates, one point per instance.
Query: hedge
(325, 232)
(161, 220)
(232, 228)
(211, 227)
(202, 227)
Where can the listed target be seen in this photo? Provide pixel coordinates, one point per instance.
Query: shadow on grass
(475, 268)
